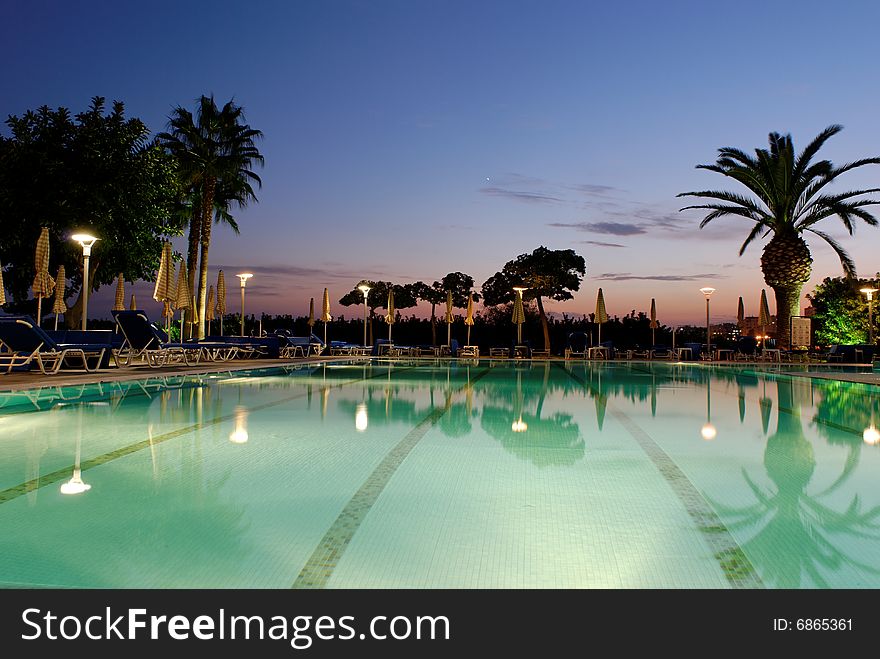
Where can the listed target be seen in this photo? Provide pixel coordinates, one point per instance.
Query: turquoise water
(444, 474)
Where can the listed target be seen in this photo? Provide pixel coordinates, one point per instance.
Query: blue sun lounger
(143, 340)
(25, 343)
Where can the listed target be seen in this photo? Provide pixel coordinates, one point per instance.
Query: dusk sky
(407, 139)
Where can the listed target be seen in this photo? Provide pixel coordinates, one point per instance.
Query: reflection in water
(361, 420)
(522, 427)
(793, 540)
(708, 431)
(76, 485)
(239, 435)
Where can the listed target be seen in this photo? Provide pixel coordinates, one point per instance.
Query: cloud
(520, 195)
(593, 189)
(628, 276)
(300, 272)
(611, 228)
(599, 243)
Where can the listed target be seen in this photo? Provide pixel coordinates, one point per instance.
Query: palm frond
(803, 160)
(849, 266)
(756, 230)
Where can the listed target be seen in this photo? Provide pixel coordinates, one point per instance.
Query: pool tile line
(64, 474)
(734, 563)
(316, 572)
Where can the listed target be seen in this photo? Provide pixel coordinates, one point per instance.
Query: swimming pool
(481, 474)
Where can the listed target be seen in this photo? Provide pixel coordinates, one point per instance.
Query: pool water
(479, 474)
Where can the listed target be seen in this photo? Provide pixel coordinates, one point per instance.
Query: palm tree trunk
(209, 186)
(787, 305)
(544, 325)
(195, 232)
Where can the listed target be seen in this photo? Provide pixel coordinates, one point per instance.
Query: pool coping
(29, 381)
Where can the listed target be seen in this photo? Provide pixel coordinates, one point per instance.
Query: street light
(707, 291)
(244, 276)
(86, 241)
(363, 288)
(870, 293)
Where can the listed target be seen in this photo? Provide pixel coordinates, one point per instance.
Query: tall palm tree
(215, 152)
(787, 203)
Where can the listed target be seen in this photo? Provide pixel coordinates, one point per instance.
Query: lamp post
(363, 288)
(86, 241)
(244, 276)
(870, 293)
(707, 291)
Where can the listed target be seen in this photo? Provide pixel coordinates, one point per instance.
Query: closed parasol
(43, 283)
(519, 314)
(209, 307)
(389, 317)
(654, 323)
(182, 301)
(165, 291)
(119, 302)
(469, 318)
(601, 314)
(449, 318)
(763, 316)
(60, 306)
(325, 313)
(221, 298)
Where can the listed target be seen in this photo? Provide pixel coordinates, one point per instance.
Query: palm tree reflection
(793, 543)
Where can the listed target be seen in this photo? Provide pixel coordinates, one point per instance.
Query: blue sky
(405, 140)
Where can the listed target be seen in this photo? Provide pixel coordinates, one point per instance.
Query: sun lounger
(143, 340)
(576, 346)
(25, 343)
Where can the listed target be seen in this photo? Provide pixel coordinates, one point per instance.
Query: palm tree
(215, 152)
(787, 203)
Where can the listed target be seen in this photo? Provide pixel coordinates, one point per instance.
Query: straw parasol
(763, 315)
(469, 318)
(133, 304)
(389, 317)
(209, 308)
(221, 298)
(325, 313)
(449, 318)
(654, 323)
(182, 301)
(601, 314)
(43, 283)
(519, 315)
(119, 303)
(59, 307)
(2, 289)
(740, 313)
(164, 291)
